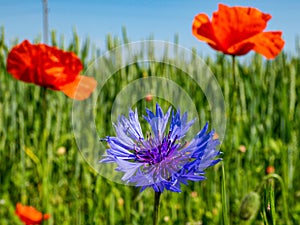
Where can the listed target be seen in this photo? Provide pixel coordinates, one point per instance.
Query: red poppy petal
(241, 48)
(236, 24)
(255, 13)
(19, 62)
(28, 214)
(43, 65)
(58, 67)
(81, 88)
(203, 30)
(269, 44)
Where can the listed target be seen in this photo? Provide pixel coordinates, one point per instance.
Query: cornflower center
(153, 150)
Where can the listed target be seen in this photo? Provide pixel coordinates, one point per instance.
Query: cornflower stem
(156, 207)
(224, 198)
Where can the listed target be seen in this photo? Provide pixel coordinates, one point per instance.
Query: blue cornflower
(162, 159)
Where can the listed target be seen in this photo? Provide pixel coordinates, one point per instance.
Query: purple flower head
(162, 159)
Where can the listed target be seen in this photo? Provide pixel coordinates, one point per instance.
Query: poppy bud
(250, 206)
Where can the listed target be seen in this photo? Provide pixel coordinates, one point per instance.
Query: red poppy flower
(51, 68)
(29, 215)
(238, 30)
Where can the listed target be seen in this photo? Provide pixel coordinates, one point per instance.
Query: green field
(263, 121)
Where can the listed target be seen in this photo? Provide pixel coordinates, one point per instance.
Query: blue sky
(160, 18)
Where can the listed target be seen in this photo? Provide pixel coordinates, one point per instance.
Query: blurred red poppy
(29, 215)
(148, 98)
(270, 169)
(50, 67)
(238, 30)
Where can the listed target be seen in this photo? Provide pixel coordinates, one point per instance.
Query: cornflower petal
(158, 122)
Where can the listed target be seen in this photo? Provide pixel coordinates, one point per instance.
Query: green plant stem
(44, 101)
(156, 207)
(235, 75)
(224, 198)
(284, 201)
(234, 103)
(233, 71)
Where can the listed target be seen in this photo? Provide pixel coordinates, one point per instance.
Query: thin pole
(45, 21)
